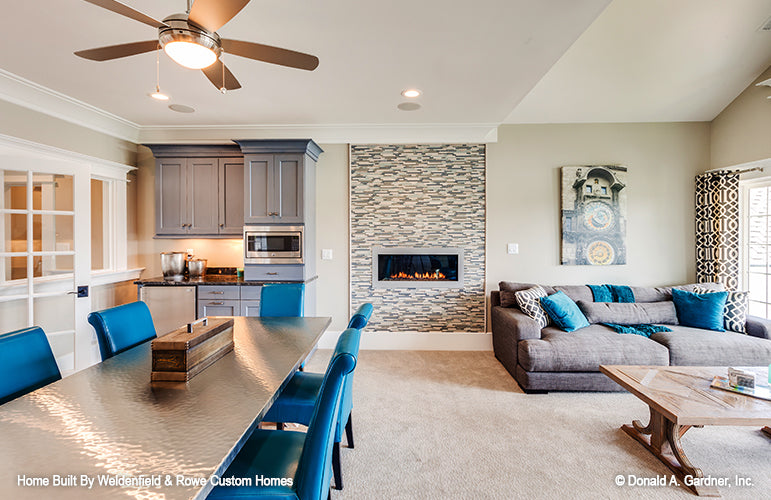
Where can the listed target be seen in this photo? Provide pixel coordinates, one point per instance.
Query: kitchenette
(259, 194)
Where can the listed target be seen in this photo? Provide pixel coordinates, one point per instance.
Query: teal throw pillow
(703, 310)
(564, 312)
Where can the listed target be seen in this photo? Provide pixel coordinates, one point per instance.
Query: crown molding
(398, 133)
(31, 95)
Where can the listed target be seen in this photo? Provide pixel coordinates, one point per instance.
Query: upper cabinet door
(202, 199)
(171, 196)
(288, 184)
(258, 189)
(231, 199)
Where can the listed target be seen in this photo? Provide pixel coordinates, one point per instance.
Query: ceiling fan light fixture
(190, 55)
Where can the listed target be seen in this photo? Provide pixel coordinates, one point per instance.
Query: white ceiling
(654, 61)
(640, 60)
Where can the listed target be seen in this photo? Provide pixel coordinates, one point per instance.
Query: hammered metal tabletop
(110, 423)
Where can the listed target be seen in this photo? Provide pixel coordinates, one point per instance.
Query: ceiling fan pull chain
(189, 4)
(223, 89)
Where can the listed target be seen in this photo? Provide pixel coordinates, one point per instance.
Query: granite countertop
(215, 279)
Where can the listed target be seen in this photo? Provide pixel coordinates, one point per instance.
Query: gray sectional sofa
(550, 359)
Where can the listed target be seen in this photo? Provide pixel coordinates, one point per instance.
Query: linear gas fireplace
(417, 267)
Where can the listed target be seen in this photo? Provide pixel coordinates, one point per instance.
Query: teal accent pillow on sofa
(564, 312)
(700, 310)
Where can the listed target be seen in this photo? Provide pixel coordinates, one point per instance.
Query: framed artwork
(593, 215)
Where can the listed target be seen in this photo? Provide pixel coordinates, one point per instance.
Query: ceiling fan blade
(213, 14)
(118, 51)
(214, 74)
(125, 10)
(274, 55)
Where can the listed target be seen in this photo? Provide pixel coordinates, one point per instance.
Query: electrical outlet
(512, 248)
(326, 254)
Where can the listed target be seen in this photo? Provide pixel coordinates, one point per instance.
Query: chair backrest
(313, 470)
(282, 299)
(123, 327)
(361, 317)
(26, 363)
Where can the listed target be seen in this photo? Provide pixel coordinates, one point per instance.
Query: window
(604, 190)
(756, 265)
(588, 189)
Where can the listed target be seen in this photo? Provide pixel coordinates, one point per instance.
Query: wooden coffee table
(679, 397)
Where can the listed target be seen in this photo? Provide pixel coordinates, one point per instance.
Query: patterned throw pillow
(735, 312)
(530, 303)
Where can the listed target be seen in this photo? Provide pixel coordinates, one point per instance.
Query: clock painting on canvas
(593, 215)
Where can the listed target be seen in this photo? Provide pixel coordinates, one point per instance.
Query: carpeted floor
(445, 425)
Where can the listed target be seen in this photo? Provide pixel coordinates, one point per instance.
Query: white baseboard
(416, 341)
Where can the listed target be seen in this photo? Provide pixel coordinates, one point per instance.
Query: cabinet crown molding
(195, 150)
(305, 146)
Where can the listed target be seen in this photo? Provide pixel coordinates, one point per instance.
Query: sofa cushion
(659, 294)
(586, 349)
(564, 312)
(662, 313)
(530, 304)
(700, 310)
(735, 312)
(697, 347)
(508, 290)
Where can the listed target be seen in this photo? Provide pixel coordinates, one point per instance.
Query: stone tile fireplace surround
(429, 197)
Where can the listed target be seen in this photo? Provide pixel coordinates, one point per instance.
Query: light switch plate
(512, 248)
(326, 254)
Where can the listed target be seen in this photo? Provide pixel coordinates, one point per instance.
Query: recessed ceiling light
(411, 93)
(181, 108)
(159, 96)
(408, 106)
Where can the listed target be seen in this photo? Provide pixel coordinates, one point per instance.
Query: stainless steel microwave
(273, 244)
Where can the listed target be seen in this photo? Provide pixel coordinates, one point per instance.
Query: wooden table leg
(767, 430)
(662, 438)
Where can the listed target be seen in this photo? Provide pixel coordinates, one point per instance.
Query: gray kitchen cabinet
(273, 188)
(231, 200)
(280, 181)
(171, 196)
(250, 308)
(170, 306)
(202, 195)
(198, 190)
(219, 308)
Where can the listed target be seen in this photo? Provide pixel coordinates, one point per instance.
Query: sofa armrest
(758, 327)
(510, 325)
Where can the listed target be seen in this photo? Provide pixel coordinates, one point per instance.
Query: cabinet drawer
(251, 292)
(274, 273)
(218, 292)
(250, 308)
(219, 308)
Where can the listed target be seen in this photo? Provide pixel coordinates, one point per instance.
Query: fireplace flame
(436, 275)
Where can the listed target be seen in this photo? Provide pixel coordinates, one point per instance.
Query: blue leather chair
(296, 402)
(120, 328)
(282, 299)
(26, 363)
(304, 457)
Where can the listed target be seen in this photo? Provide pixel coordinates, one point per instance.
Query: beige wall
(24, 123)
(741, 133)
(523, 199)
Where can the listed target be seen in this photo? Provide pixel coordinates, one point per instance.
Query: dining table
(110, 432)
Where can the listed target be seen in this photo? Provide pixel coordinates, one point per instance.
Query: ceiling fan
(192, 41)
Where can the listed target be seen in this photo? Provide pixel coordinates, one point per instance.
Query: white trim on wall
(26, 93)
(396, 133)
(415, 341)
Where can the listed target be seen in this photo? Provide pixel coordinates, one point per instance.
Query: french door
(45, 259)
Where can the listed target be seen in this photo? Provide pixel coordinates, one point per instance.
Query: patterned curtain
(717, 228)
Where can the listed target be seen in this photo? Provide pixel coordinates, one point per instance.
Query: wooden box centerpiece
(184, 353)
